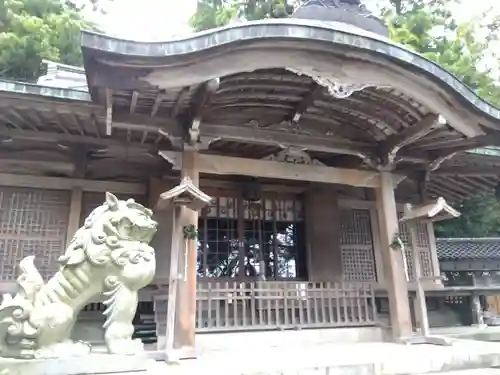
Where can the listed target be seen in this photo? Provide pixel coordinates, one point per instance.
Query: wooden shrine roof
(343, 96)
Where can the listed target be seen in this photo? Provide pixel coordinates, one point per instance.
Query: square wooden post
(393, 266)
(179, 203)
(186, 307)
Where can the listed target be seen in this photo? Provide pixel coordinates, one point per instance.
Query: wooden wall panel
(32, 222)
(323, 234)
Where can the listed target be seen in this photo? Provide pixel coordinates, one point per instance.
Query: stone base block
(174, 355)
(94, 364)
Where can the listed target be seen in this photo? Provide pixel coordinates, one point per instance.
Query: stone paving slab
(481, 371)
(351, 359)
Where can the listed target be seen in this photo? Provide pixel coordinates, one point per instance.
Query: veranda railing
(262, 305)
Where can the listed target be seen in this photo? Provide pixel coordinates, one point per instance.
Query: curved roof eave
(177, 52)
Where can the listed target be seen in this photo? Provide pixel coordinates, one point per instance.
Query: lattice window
(218, 246)
(423, 246)
(32, 222)
(358, 261)
(234, 241)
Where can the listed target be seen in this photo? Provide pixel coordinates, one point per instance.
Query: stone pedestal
(94, 364)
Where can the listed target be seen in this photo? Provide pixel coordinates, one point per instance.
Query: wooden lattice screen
(423, 245)
(32, 222)
(356, 241)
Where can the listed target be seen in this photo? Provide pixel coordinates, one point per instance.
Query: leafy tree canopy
(33, 30)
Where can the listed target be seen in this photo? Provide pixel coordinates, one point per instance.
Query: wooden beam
(50, 137)
(61, 183)
(328, 144)
(247, 134)
(26, 165)
(224, 165)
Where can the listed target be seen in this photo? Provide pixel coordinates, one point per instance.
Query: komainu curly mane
(109, 256)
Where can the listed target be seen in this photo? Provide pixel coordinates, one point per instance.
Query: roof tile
(468, 248)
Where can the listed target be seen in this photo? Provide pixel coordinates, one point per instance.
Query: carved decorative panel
(423, 246)
(358, 261)
(32, 222)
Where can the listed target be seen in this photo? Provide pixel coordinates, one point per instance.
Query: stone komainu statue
(108, 256)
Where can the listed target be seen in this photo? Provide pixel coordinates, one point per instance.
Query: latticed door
(356, 241)
(32, 222)
(423, 247)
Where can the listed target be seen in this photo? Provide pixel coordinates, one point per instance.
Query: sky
(150, 20)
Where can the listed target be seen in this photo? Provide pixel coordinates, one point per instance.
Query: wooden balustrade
(241, 306)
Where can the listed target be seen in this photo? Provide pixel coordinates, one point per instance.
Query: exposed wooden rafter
(181, 98)
(133, 101)
(160, 96)
(19, 119)
(306, 102)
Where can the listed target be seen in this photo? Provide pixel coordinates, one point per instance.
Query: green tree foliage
(33, 30)
(429, 27)
(480, 218)
(215, 13)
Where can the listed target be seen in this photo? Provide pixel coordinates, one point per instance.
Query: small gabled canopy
(437, 211)
(184, 194)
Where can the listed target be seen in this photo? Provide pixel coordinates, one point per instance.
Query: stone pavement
(352, 359)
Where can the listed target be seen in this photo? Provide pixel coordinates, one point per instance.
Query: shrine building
(309, 134)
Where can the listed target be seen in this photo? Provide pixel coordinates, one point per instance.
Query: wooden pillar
(393, 266)
(75, 213)
(477, 311)
(188, 260)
